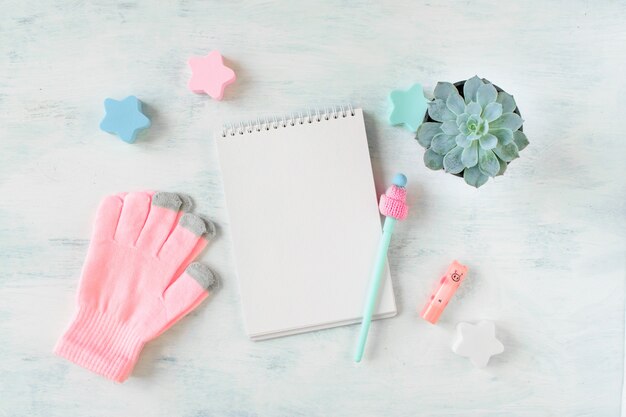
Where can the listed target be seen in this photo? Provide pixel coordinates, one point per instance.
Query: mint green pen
(393, 206)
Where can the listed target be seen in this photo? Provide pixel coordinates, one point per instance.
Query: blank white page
(304, 223)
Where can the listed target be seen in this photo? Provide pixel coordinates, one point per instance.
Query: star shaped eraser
(209, 75)
(477, 342)
(408, 107)
(124, 118)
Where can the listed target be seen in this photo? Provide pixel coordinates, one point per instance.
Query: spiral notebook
(303, 219)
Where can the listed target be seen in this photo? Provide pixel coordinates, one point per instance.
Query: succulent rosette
(475, 134)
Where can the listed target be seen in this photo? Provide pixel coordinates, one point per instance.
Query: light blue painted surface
(544, 243)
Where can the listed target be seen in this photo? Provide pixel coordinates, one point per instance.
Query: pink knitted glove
(137, 280)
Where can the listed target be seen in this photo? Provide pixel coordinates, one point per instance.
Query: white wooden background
(545, 243)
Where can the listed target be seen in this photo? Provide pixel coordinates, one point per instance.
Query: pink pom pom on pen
(393, 202)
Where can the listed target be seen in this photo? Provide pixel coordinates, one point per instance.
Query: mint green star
(408, 108)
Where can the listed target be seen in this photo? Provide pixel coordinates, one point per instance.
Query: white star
(477, 342)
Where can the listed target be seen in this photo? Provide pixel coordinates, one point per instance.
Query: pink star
(209, 75)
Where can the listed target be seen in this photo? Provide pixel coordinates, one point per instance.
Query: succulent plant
(475, 135)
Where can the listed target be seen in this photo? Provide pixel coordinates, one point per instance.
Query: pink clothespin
(444, 292)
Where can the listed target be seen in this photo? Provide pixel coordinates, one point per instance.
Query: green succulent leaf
(438, 111)
(483, 128)
(504, 136)
(507, 121)
(443, 90)
(492, 111)
(469, 157)
(488, 141)
(433, 160)
(488, 162)
(473, 108)
(507, 152)
(520, 139)
(486, 94)
(461, 119)
(426, 132)
(452, 161)
(507, 101)
(449, 127)
(455, 103)
(443, 143)
(462, 140)
(471, 87)
(503, 166)
(474, 177)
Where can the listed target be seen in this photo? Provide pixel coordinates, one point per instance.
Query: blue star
(124, 118)
(408, 108)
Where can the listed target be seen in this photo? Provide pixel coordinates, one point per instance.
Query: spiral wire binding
(291, 119)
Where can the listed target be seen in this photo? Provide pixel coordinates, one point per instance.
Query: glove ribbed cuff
(101, 344)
